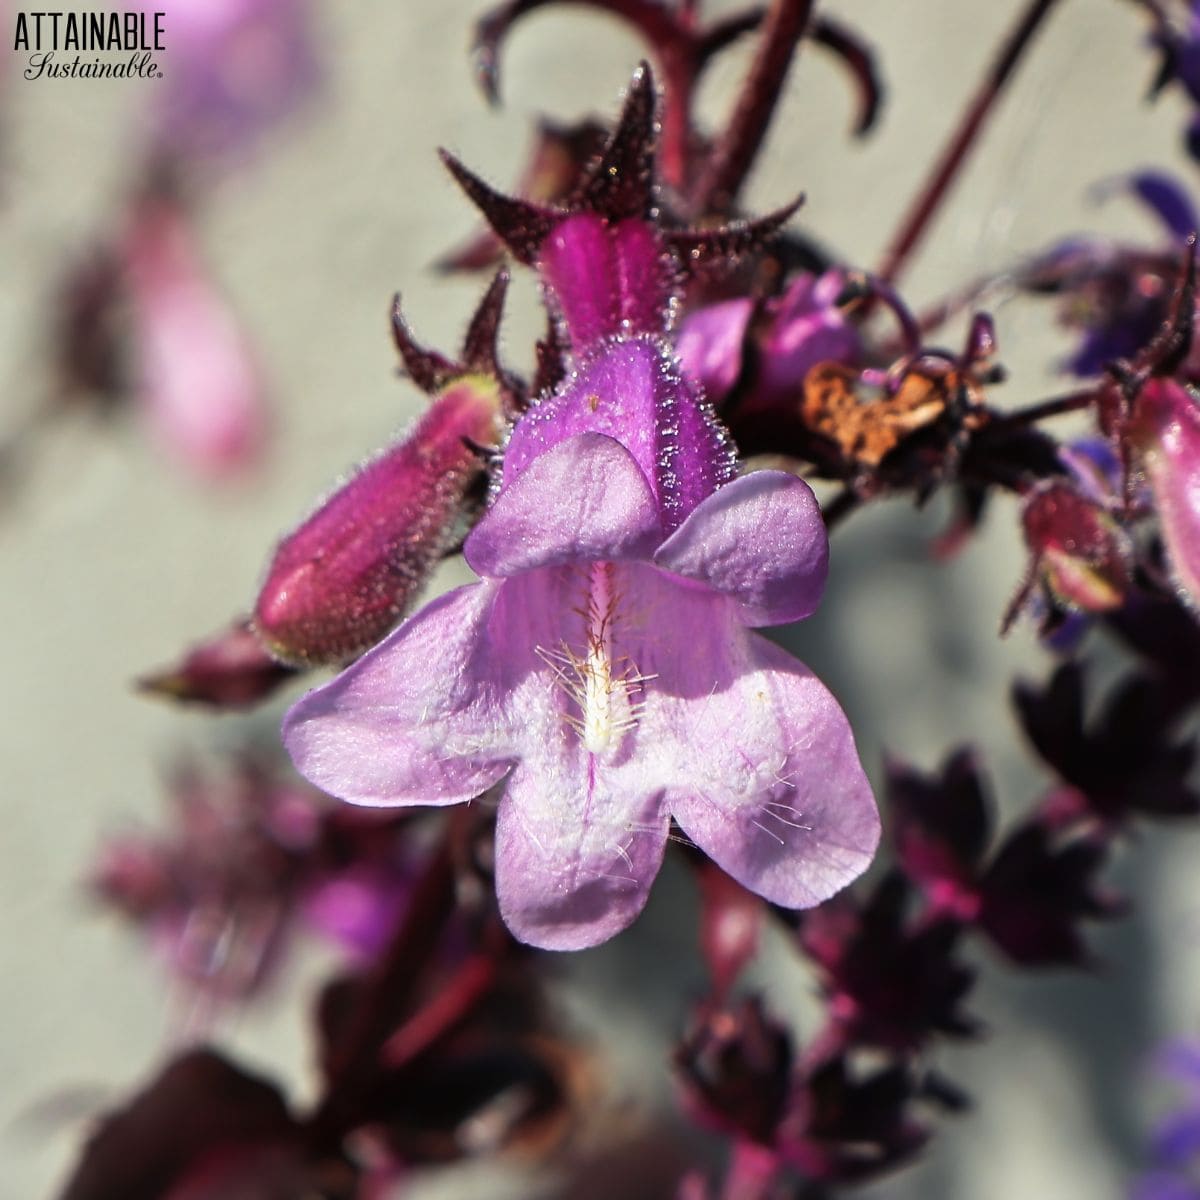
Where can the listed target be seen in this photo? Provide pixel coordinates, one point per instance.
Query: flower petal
(1164, 195)
(807, 327)
(759, 540)
(711, 344)
(773, 792)
(630, 389)
(583, 499)
(417, 720)
(576, 847)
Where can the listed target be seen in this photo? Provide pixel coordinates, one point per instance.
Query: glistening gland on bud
(341, 580)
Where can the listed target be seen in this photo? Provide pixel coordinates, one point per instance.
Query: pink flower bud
(230, 670)
(1166, 431)
(233, 71)
(197, 377)
(1082, 554)
(340, 581)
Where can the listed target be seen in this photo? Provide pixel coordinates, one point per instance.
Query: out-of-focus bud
(735, 1065)
(797, 330)
(1166, 431)
(711, 346)
(196, 375)
(230, 670)
(342, 579)
(730, 926)
(1081, 554)
(233, 70)
(806, 327)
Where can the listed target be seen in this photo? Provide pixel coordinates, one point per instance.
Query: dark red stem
(933, 192)
(1072, 402)
(836, 510)
(737, 147)
(454, 1002)
(679, 78)
(412, 946)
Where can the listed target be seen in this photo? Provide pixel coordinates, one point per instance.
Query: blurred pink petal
(232, 70)
(196, 375)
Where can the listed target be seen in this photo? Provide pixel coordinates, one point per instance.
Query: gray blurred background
(111, 560)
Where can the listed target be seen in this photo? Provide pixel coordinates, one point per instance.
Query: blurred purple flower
(1162, 1185)
(608, 674)
(233, 69)
(196, 376)
(219, 893)
(799, 329)
(1094, 467)
(1178, 43)
(1118, 295)
(1175, 1138)
(357, 908)
(711, 345)
(1162, 194)
(806, 327)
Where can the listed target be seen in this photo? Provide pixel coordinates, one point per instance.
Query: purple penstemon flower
(233, 70)
(610, 675)
(604, 667)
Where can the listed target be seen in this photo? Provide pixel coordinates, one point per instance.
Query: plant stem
(840, 507)
(679, 78)
(737, 147)
(452, 1004)
(933, 191)
(413, 944)
(1072, 402)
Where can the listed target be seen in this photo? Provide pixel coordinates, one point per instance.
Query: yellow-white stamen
(601, 685)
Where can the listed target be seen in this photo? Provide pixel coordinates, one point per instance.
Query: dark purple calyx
(610, 266)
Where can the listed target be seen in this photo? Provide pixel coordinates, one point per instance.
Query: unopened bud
(341, 580)
(1082, 554)
(735, 1066)
(230, 670)
(198, 380)
(1166, 432)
